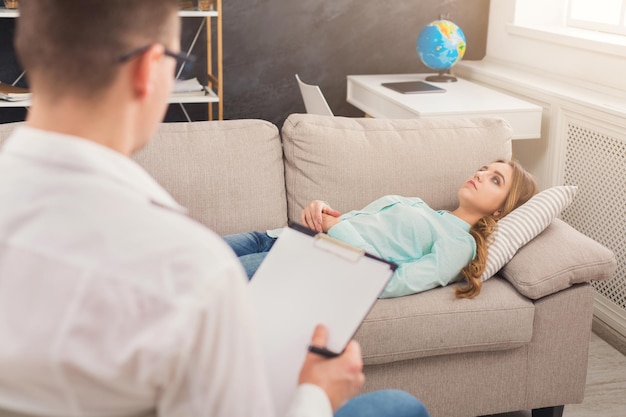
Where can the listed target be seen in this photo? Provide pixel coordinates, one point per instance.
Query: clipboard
(309, 278)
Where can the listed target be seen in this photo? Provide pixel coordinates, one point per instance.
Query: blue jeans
(384, 403)
(251, 248)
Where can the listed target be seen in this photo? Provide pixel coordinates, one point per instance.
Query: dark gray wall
(266, 42)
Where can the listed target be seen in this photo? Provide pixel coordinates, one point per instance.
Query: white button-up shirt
(112, 301)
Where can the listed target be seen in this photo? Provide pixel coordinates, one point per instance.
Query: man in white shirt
(112, 301)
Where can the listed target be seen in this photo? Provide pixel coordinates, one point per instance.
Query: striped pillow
(524, 223)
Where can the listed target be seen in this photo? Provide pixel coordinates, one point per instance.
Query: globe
(440, 45)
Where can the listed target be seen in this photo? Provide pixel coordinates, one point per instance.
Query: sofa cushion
(212, 167)
(435, 323)
(350, 162)
(557, 259)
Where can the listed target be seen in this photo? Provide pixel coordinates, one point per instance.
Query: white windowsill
(593, 41)
(524, 81)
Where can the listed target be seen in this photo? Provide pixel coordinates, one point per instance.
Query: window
(598, 15)
(550, 21)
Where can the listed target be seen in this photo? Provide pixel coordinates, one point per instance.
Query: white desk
(461, 99)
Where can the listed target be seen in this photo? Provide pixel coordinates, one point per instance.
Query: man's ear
(145, 70)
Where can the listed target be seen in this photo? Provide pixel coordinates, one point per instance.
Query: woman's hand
(313, 216)
(328, 221)
(339, 377)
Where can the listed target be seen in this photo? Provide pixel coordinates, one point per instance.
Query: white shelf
(194, 97)
(197, 13)
(13, 13)
(21, 103)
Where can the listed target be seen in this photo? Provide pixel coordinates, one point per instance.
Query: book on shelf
(188, 86)
(10, 92)
(186, 5)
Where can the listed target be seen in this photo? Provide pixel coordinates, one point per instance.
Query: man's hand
(340, 377)
(312, 215)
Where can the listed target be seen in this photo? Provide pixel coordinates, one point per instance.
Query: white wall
(531, 55)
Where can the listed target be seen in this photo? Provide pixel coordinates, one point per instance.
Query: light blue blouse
(430, 246)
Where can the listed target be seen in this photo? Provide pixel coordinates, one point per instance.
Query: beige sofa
(522, 344)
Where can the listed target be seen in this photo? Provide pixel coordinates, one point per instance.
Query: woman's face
(486, 191)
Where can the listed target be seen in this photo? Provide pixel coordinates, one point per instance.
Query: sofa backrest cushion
(350, 162)
(229, 174)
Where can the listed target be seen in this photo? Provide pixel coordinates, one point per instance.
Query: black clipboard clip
(325, 242)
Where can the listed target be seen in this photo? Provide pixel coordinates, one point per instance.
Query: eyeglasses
(181, 58)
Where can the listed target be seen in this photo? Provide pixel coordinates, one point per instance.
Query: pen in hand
(340, 377)
(322, 352)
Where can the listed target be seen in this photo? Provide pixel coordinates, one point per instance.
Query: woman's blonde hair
(523, 187)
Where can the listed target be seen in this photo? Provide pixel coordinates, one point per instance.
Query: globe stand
(441, 77)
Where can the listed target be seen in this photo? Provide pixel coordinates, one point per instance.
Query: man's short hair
(75, 45)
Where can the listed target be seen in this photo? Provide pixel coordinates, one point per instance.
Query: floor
(612, 336)
(605, 392)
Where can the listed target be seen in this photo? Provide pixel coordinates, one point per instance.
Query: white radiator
(595, 161)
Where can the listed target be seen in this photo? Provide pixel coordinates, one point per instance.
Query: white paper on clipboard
(308, 279)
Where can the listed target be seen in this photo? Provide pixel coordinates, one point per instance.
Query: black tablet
(414, 87)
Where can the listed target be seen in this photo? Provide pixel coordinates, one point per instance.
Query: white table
(461, 99)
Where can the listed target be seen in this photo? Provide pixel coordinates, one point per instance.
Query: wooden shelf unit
(215, 71)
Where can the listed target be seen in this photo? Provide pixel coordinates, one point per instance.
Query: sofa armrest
(556, 259)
